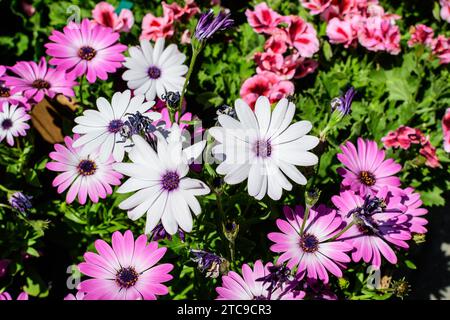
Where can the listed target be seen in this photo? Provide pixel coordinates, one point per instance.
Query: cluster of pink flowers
(104, 14)
(403, 137)
(353, 21)
(164, 27)
(424, 35)
(288, 50)
(374, 217)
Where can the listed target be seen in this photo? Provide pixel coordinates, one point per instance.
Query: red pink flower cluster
(424, 35)
(405, 136)
(163, 27)
(290, 44)
(104, 14)
(353, 21)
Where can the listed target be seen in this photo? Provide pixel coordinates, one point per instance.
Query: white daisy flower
(13, 122)
(155, 71)
(159, 181)
(263, 147)
(101, 129)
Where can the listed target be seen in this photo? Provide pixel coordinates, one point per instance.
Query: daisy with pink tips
(85, 175)
(374, 224)
(6, 94)
(126, 271)
(309, 245)
(35, 81)
(13, 122)
(86, 49)
(366, 170)
(246, 287)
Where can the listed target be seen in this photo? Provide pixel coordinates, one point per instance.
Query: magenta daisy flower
(6, 94)
(374, 224)
(246, 287)
(13, 122)
(310, 249)
(127, 271)
(366, 170)
(86, 48)
(412, 200)
(85, 174)
(37, 80)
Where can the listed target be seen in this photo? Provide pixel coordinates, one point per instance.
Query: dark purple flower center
(4, 92)
(154, 72)
(367, 178)
(261, 297)
(170, 180)
(309, 243)
(40, 84)
(115, 126)
(87, 167)
(87, 53)
(6, 124)
(127, 277)
(263, 148)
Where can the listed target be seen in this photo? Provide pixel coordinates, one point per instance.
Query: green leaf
(410, 264)
(432, 197)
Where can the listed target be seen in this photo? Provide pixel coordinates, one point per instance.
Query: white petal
(182, 213)
(263, 114)
(239, 174)
(194, 186)
(255, 179)
(246, 115)
(293, 132)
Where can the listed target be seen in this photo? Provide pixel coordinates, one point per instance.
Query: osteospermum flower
(84, 174)
(13, 122)
(7, 95)
(246, 287)
(125, 271)
(163, 190)
(263, 147)
(374, 225)
(208, 24)
(6, 296)
(366, 170)
(102, 129)
(311, 250)
(35, 81)
(154, 71)
(86, 49)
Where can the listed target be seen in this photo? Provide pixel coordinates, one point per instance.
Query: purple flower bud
(343, 104)
(208, 24)
(20, 201)
(210, 263)
(159, 233)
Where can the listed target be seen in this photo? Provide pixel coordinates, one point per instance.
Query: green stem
(341, 232)
(2, 205)
(5, 189)
(81, 90)
(305, 218)
(196, 49)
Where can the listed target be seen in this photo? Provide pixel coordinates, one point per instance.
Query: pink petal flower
(263, 19)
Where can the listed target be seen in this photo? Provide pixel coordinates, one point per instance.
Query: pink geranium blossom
(104, 14)
(85, 174)
(276, 43)
(305, 66)
(366, 170)
(342, 32)
(157, 27)
(441, 48)
(35, 81)
(246, 287)
(429, 152)
(86, 49)
(302, 36)
(446, 130)
(403, 137)
(265, 84)
(379, 34)
(182, 13)
(311, 251)
(263, 19)
(445, 10)
(284, 67)
(377, 223)
(316, 6)
(125, 271)
(420, 34)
